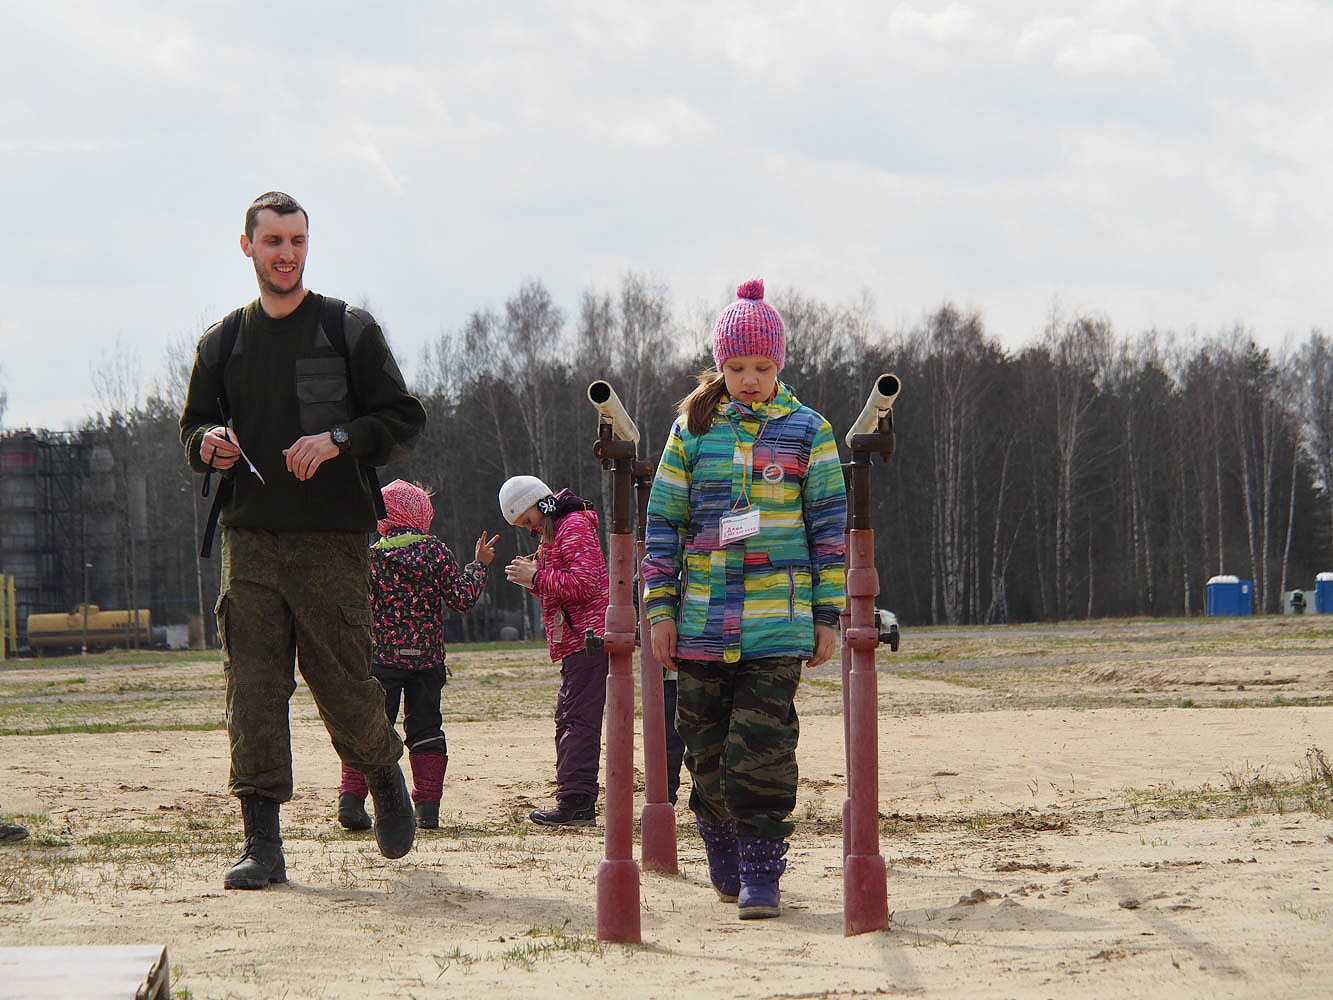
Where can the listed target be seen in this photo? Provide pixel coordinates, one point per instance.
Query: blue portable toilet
(1228, 596)
(1323, 594)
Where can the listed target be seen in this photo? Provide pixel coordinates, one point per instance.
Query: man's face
(278, 250)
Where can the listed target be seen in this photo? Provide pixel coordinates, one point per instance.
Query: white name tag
(734, 527)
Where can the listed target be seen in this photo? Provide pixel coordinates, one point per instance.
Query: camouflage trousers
(289, 599)
(739, 724)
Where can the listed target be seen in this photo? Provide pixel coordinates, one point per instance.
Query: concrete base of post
(618, 902)
(865, 894)
(657, 834)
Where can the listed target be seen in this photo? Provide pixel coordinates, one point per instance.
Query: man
(292, 413)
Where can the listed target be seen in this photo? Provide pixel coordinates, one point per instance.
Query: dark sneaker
(352, 812)
(576, 810)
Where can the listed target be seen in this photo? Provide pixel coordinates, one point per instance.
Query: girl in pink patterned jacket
(569, 574)
(413, 576)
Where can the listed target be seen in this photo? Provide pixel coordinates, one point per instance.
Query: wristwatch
(340, 437)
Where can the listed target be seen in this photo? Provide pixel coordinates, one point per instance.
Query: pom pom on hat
(750, 326)
(407, 506)
(752, 289)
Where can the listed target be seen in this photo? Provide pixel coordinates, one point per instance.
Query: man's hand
(664, 642)
(219, 448)
(485, 551)
(308, 453)
(826, 641)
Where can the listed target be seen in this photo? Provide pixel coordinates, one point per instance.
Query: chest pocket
(322, 393)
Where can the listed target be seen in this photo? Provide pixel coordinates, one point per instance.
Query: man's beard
(267, 285)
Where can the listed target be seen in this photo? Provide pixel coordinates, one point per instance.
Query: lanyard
(749, 462)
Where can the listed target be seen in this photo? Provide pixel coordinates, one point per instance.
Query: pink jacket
(572, 583)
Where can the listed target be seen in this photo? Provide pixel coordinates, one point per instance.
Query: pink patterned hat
(408, 506)
(750, 326)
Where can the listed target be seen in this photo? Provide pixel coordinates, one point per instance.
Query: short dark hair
(277, 201)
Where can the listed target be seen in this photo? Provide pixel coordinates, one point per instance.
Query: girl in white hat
(568, 573)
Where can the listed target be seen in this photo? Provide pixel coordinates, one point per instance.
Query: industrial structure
(57, 524)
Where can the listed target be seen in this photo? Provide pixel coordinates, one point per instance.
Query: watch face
(339, 435)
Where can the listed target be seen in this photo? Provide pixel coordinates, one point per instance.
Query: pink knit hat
(750, 326)
(408, 506)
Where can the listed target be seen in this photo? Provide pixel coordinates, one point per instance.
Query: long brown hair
(697, 407)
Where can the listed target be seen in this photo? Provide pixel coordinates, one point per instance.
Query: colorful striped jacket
(762, 595)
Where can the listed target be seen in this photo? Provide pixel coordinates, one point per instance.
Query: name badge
(734, 527)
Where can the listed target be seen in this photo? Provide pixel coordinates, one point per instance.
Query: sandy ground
(1054, 822)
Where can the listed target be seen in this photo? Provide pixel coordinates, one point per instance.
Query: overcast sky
(1160, 163)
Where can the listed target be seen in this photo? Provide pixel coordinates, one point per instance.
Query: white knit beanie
(519, 493)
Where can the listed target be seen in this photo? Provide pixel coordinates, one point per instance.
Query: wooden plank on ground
(85, 972)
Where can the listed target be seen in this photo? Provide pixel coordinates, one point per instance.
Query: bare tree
(1080, 352)
(1315, 380)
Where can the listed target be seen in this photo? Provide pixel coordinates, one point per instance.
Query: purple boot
(762, 863)
(723, 860)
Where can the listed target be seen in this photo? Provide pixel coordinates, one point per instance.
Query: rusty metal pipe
(618, 917)
(657, 822)
(865, 880)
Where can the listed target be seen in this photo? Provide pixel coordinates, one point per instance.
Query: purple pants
(578, 723)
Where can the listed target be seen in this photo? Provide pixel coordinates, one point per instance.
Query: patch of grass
(115, 727)
(1301, 913)
(553, 941)
(1248, 791)
(456, 957)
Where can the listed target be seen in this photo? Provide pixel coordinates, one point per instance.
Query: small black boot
(262, 863)
(428, 815)
(352, 812)
(572, 810)
(395, 822)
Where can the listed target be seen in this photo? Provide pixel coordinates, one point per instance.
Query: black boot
(572, 810)
(352, 812)
(262, 863)
(11, 834)
(428, 815)
(395, 823)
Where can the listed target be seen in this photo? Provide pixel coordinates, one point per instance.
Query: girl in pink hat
(413, 576)
(743, 583)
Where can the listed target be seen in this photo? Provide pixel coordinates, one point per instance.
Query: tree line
(1084, 475)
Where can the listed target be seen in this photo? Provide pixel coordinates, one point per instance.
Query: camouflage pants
(739, 725)
(293, 599)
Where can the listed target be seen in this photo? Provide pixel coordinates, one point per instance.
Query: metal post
(86, 567)
(4, 618)
(657, 822)
(865, 881)
(618, 874)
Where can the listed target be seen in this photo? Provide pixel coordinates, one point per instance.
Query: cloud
(1160, 162)
(955, 21)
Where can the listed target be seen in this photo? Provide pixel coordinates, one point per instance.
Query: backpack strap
(333, 318)
(227, 337)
